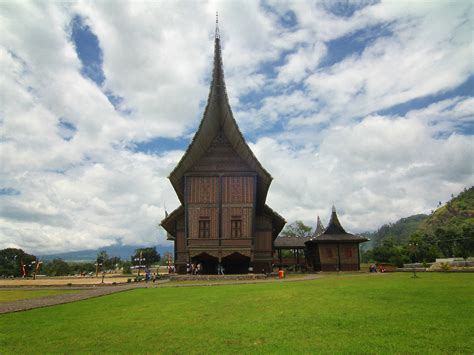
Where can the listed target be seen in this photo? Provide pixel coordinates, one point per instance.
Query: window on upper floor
(204, 228)
(236, 228)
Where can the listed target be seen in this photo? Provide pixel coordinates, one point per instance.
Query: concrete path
(81, 294)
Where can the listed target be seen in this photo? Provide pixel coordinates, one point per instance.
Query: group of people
(149, 276)
(373, 268)
(197, 269)
(194, 269)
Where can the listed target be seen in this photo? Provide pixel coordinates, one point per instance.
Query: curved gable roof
(218, 117)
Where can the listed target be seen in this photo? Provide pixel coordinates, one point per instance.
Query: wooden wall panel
(263, 240)
(263, 222)
(349, 253)
(328, 253)
(238, 189)
(197, 213)
(202, 189)
(180, 241)
(244, 213)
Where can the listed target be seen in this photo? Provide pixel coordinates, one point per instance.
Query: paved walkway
(82, 294)
(85, 293)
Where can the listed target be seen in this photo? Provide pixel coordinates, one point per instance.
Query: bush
(129, 281)
(444, 266)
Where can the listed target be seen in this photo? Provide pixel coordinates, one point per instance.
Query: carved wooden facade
(222, 187)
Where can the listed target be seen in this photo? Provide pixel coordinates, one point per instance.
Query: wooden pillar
(358, 257)
(298, 259)
(280, 258)
(338, 257)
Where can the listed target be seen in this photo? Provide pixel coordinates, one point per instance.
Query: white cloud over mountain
(317, 92)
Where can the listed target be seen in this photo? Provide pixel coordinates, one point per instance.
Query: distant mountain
(122, 251)
(400, 231)
(454, 215)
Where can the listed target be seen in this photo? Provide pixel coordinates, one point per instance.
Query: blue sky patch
(353, 44)
(160, 145)
(346, 8)
(88, 50)
(464, 89)
(67, 130)
(9, 191)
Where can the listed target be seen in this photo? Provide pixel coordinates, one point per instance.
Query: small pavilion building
(333, 249)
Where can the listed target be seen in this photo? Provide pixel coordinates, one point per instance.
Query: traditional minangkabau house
(334, 249)
(296, 246)
(222, 188)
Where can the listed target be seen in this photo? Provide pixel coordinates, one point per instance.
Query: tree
(150, 256)
(112, 263)
(11, 261)
(56, 267)
(296, 229)
(126, 267)
(465, 246)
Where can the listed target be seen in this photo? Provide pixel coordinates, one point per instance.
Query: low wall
(217, 277)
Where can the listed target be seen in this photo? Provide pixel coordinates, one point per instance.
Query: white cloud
(373, 171)
(87, 190)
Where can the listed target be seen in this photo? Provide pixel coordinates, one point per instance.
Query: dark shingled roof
(335, 233)
(290, 242)
(168, 222)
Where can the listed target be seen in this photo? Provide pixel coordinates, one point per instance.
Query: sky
(365, 105)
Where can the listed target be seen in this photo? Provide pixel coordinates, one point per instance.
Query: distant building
(222, 187)
(333, 249)
(297, 248)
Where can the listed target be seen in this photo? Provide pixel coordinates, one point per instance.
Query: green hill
(457, 214)
(399, 232)
(446, 232)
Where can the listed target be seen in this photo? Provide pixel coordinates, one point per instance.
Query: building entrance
(208, 263)
(236, 263)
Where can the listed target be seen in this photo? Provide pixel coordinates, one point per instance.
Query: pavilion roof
(334, 232)
(218, 118)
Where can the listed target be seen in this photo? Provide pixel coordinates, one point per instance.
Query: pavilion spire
(334, 226)
(217, 35)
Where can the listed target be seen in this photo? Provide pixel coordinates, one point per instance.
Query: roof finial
(333, 209)
(217, 25)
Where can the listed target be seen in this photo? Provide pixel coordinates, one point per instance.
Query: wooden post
(338, 258)
(280, 258)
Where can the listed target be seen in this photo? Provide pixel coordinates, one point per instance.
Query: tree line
(17, 263)
(424, 247)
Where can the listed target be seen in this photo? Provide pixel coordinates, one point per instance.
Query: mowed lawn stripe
(390, 313)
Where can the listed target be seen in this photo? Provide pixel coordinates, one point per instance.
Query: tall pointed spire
(319, 228)
(334, 226)
(218, 118)
(218, 35)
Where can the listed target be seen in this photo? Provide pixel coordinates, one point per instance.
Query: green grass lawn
(390, 313)
(13, 295)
